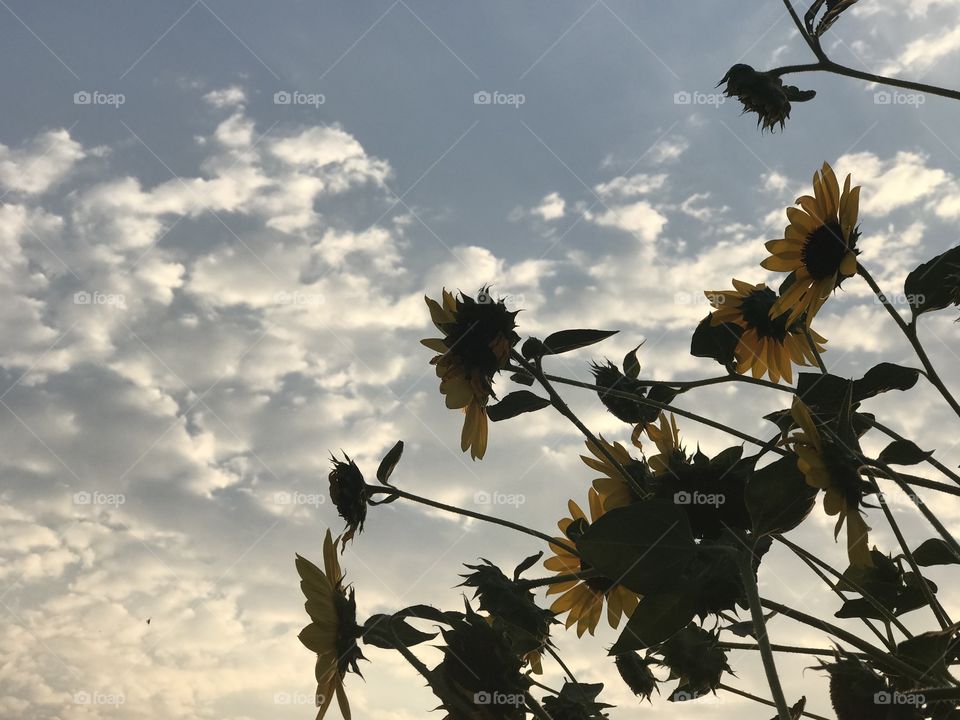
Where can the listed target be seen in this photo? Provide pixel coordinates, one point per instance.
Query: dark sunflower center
(478, 330)
(348, 653)
(755, 309)
(824, 251)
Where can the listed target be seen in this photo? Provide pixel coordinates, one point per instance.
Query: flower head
(763, 93)
(768, 345)
(333, 631)
(478, 336)
(348, 491)
(615, 490)
(666, 437)
(827, 467)
(818, 246)
(583, 600)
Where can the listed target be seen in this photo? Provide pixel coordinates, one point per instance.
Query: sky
(219, 220)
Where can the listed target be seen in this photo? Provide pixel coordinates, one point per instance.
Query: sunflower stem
(816, 352)
(556, 656)
(794, 649)
(816, 564)
(542, 582)
(760, 628)
(910, 331)
(763, 701)
(470, 513)
(928, 595)
(669, 408)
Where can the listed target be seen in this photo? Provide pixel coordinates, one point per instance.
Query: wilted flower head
(576, 701)
(348, 491)
(636, 673)
(763, 93)
(478, 335)
(695, 656)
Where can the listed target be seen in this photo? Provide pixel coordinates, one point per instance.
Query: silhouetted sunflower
(767, 345)
(666, 437)
(615, 490)
(348, 491)
(818, 246)
(824, 466)
(764, 94)
(333, 632)
(477, 338)
(583, 599)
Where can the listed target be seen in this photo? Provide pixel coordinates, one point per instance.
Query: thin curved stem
(556, 579)
(556, 656)
(763, 701)
(811, 42)
(910, 331)
(763, 640)
(794, 649)
(931, 460)
(669, 408)
(372, 489)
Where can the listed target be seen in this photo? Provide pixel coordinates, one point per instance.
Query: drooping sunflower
(348, 491)
(615, 490)
(333, 632)
(824, 467)
(583, 600)
(768, 345)
(818, 246)
(477, 338)
(666, 437)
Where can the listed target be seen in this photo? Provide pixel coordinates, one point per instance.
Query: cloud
(40, 164)
(226, 97)
(551, 207)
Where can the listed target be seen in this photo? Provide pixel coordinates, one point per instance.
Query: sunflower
(478, 336)
(615, 490)
(818, 246)
(768, 345)
(333, 632)
(824, 467)
(348, 491)
(583, 599)
(667, 439)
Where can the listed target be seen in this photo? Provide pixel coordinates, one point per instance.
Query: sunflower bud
(693, 654)
(763, 93)
(348, 491)
(636, 674)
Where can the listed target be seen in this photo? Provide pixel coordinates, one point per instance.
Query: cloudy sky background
(254, 275)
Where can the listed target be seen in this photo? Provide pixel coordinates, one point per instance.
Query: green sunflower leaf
(516, 403)
(904, 452)
(642, 546)
(567, 340)
(716, 341)
(778, 497)
(935, 552)
(384, 631)
(389, 462)
(935, 284)
(656, 618)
